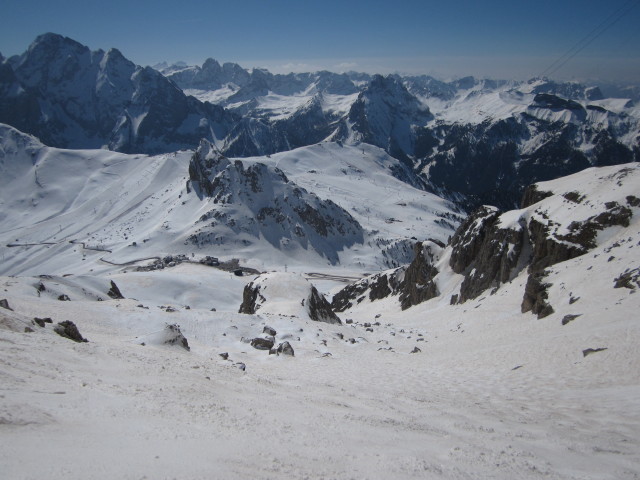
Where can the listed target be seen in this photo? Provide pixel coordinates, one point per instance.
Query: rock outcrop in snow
(286, 293)
(561, 220)
(413, 284)
(260, 201)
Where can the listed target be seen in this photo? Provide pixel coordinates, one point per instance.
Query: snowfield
(465, 391)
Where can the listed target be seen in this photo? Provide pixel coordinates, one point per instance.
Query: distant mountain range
(476, 141)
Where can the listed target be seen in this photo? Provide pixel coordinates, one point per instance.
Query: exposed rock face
(71, 97)
(560, 221)
(532, 195)
(4, 303)
(418, 284)
(629, 279)
(487, 253)
(250, 302)
(384, 113)
(414, 283)
(469, 236)
(114, 292)
(68, 329)
(319, 309)
(375, 287)
(262, 343)
(269, 331)
(535, 296)
(497, 261)
(547, 250)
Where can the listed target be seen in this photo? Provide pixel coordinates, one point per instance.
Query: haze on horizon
(496, 38)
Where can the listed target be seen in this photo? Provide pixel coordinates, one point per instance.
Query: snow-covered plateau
(174, 382)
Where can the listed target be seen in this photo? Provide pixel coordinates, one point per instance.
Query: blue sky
(495, 38)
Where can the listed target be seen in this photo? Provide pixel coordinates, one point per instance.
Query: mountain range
(483, 140)
(359, 276)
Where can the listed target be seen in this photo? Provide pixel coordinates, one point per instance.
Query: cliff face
(560, 220)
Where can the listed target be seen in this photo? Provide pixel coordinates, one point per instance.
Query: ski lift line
(591, 36)
(587, 38)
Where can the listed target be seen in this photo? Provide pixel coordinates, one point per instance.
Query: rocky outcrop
(68, 329)
(496, 263)
(375, 287)
(251, 299)
(71, 97)
(533, 195)
(628, 279)
(260, 201)
(285, 348)
(319, 309)
(536, 295)
(469, 237)
(485, 252)
(490, 249)
(174, 336)
(4, 303)
(287, 291)
(547, 250)
(261, 343)
(418, 284)
(114, 292)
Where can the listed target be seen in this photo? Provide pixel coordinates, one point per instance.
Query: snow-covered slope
(65, 211)
(471, 390)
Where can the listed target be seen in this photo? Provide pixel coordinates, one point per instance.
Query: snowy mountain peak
(258, 200)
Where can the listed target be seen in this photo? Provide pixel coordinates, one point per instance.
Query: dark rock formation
(262, 343)
(378, 286)
(42, 321)
(114, 292)
(68, 329)
(279, 210)
(536, 295)
(570, 318)
(628, 279)
(418, 284)
(269, 331)
(64, 298)
(319, 309)
(4, 303)
(532, 195)
(547, 250)
(487, 253)
(250, 296)
(71, 97)
(468, 238)
(589, 351)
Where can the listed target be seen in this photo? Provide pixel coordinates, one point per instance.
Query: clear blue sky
(496, 38)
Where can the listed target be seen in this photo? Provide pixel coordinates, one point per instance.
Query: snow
(493, 393)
